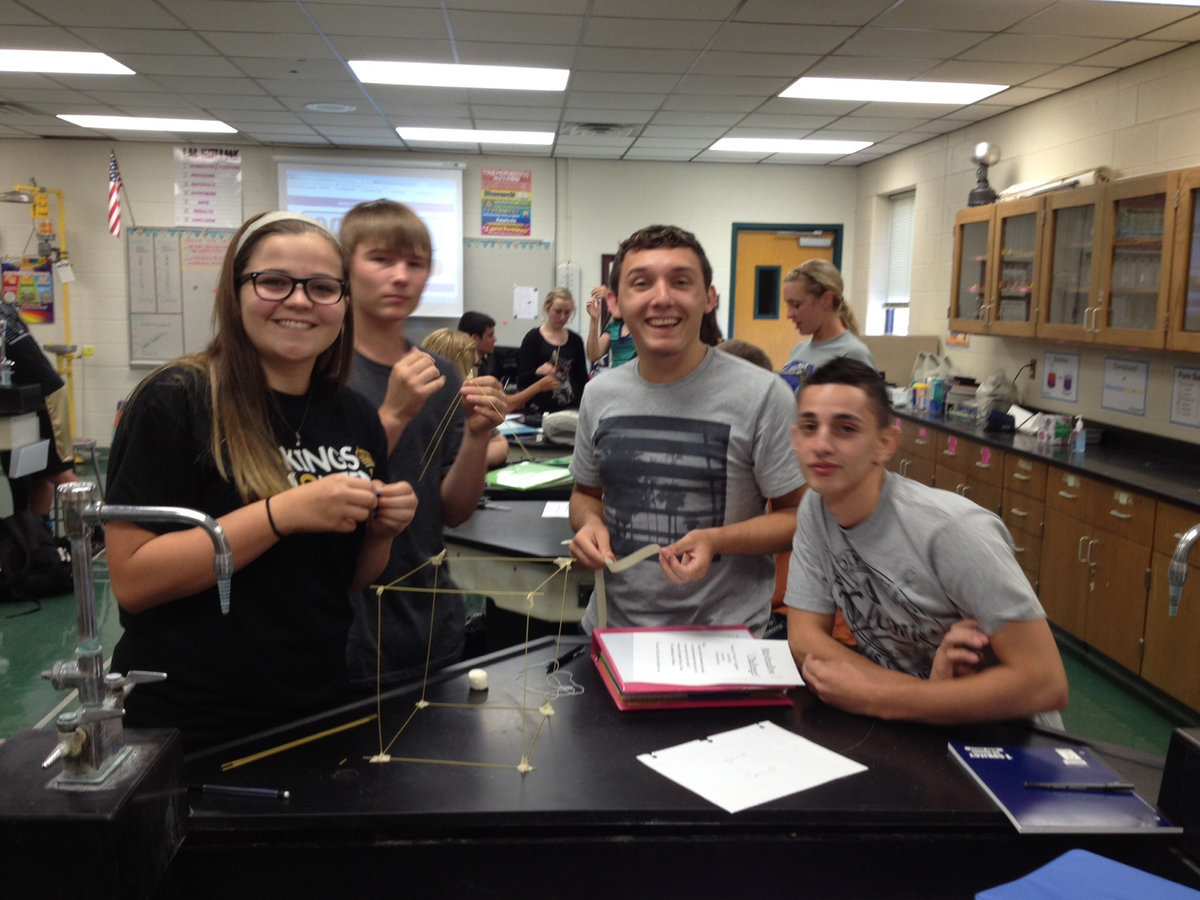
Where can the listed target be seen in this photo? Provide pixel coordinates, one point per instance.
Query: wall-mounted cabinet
(996, 268)
(1098, 264)
(1137, 241)
(1183, 327)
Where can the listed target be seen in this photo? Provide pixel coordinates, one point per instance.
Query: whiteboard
(172, 277)
(494, 266)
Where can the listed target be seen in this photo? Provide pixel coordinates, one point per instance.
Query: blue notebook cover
(1004, 772)
(1078, 873)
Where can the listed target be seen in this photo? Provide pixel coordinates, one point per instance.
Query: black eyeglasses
(276, 287)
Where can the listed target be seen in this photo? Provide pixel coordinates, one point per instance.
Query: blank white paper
(747, 766)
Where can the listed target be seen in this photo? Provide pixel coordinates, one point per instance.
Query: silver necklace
(296, 431)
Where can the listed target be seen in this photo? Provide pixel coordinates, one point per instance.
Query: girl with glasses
(258, 431)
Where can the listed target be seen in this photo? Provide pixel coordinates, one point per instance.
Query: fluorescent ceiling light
(505, 78)
(147, 123)
(61, 62)
(474, 136)
(784, 145)
(883, 91)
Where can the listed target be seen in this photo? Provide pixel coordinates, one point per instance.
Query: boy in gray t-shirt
(681, 447)
(948, 628)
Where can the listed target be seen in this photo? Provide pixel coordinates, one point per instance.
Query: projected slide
(325, 191)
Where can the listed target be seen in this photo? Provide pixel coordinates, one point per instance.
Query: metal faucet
(91, 740)
(1177, 573)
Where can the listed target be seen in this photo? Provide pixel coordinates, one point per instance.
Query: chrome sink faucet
(1177, 573)
(91, 740)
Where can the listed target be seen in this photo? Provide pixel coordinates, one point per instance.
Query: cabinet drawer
(1021, 513)
(986, 495)
(918, 439)
(1028, 551)
(1170, 522)
(1028, 476)
(978, 462)
(1122, 512)
(1067, 492)
(918, 468)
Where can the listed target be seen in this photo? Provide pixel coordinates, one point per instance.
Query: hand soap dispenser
(1078, 437)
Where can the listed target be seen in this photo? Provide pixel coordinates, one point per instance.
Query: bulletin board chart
(172, 278)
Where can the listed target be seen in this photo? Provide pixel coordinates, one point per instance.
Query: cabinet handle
(920, 442)
(1018, 549)
(1019, 477)
(1117, 514)
(1067, 495)
(963, 488)
(982, 465)
(949, 453)
(1019, 512)
(1079, 549)
(1091, 544)
(904, 467)
(1177, 535)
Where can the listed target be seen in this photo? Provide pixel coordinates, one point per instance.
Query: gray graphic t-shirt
(703, 451)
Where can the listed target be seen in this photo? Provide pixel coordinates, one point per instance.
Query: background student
(481, 328)
(553, 351)
(460, 348)
(258, 432)
(682, 448)
(947, 626)
(609, 341)
(813, 295)
(438, 428)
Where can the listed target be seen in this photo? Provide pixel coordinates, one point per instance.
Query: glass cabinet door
(1183, 329)
(1068, 242)
(1138, 231)
(1014, 309)
(972, 243)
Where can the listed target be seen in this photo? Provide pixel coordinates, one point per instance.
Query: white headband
(280, 215)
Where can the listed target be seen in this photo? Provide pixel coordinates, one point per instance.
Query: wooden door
(762, 257)
(1065, 574)
(1116, 602)
(970, 298)
(1070, 266)
(1139, 230)
(1183, 329)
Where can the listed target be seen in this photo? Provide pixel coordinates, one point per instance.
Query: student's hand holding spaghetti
(395, 509)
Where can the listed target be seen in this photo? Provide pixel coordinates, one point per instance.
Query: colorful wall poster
(1185, 397)
(1060, 376)
(1125, 382)
(29, 283)
(507, 201)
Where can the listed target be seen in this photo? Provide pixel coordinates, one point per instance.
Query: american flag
(114, 197)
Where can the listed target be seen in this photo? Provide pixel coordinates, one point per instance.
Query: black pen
(1099, 787)
(234, 790)
(566, 658)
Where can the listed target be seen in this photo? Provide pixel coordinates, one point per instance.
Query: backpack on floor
(33, 563)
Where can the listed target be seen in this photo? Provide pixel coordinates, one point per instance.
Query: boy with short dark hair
(947, 627)
(681, 447)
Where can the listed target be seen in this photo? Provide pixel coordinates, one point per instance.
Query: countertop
(1159, 467)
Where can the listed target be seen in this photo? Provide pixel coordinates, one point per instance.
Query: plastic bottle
(1078, 437)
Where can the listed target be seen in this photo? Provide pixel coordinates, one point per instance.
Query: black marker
(566, 658)
(1100, 787)
(233, 790)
